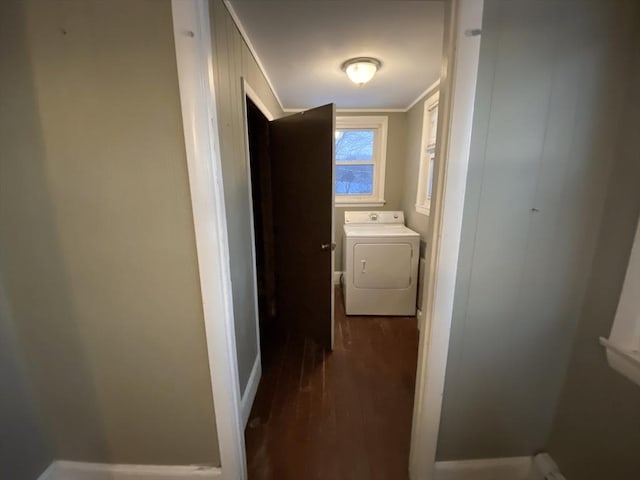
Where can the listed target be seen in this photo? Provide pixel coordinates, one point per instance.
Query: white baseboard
(336, 277)
(513, 468)
(545, 468)
(65, 470)
(49, 472)
(250, 390)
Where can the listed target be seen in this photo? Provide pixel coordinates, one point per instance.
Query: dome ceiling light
(361, 70)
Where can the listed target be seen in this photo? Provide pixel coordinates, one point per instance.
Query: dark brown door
(302, 177)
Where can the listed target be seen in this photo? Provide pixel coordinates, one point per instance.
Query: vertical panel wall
(548, 109)
(596, 433)
(232, 61)
(96, 231)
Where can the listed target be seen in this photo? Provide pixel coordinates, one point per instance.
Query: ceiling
(301, 45)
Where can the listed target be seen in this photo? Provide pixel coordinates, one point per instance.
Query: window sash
(378, 125)
(427, 155)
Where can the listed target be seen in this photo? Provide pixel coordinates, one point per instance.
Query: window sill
(360, 203)
(623, 361)
(421, 209)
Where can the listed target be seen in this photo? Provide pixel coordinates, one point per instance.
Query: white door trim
(192, 36)
(457, 96)
(255, 98)
(249, 394)
(250, 390)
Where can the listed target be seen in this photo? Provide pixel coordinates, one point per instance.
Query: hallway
(340, 415)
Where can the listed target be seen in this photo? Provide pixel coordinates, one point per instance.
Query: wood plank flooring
(341, 415)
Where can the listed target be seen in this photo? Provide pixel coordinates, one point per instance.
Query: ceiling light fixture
(362, 69)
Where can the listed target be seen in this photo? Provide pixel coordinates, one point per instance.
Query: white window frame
(425, 172)
(380, 125)
(623, 344)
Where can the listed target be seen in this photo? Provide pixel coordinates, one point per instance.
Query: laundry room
(340, 168)
(402, 180)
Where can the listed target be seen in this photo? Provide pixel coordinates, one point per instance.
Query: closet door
(302, 151)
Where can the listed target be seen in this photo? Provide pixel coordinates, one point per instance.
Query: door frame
(192, 36)
(249, 91)
(247, 398)
(192, 33)
(461, 52)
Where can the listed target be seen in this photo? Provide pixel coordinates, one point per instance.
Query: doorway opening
(262, 204)
(198, 98)
(356, 397)
(293, 227)
(350, 389)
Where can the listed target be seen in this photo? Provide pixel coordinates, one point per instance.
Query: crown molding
(247, 40)
(245, 36)
(351, 110)
(370, 110)
(433, 88)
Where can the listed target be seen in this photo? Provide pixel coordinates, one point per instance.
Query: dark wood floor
(341, 415)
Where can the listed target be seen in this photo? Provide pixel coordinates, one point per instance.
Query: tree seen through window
(354, 162)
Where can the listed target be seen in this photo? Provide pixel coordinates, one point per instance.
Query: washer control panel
(374, 217)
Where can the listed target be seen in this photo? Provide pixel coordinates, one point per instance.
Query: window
(427, 155)
(361, 147)
(623, 344)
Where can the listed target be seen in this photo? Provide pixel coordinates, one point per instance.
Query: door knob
(328, 246)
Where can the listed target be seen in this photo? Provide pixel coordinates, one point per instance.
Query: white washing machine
(380, 257)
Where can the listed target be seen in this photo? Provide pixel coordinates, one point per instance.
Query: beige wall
(232, 61)
(96, 233)
(24, 449)
(394, 172)
(547, 115)
(596, 434)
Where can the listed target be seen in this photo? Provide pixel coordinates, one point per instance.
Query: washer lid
(379, 230)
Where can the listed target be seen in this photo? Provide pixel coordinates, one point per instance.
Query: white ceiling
(301, 45)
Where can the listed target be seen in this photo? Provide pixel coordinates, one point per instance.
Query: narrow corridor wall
(596, 433)
(96, 231)
(547, 114)
(24, 449)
